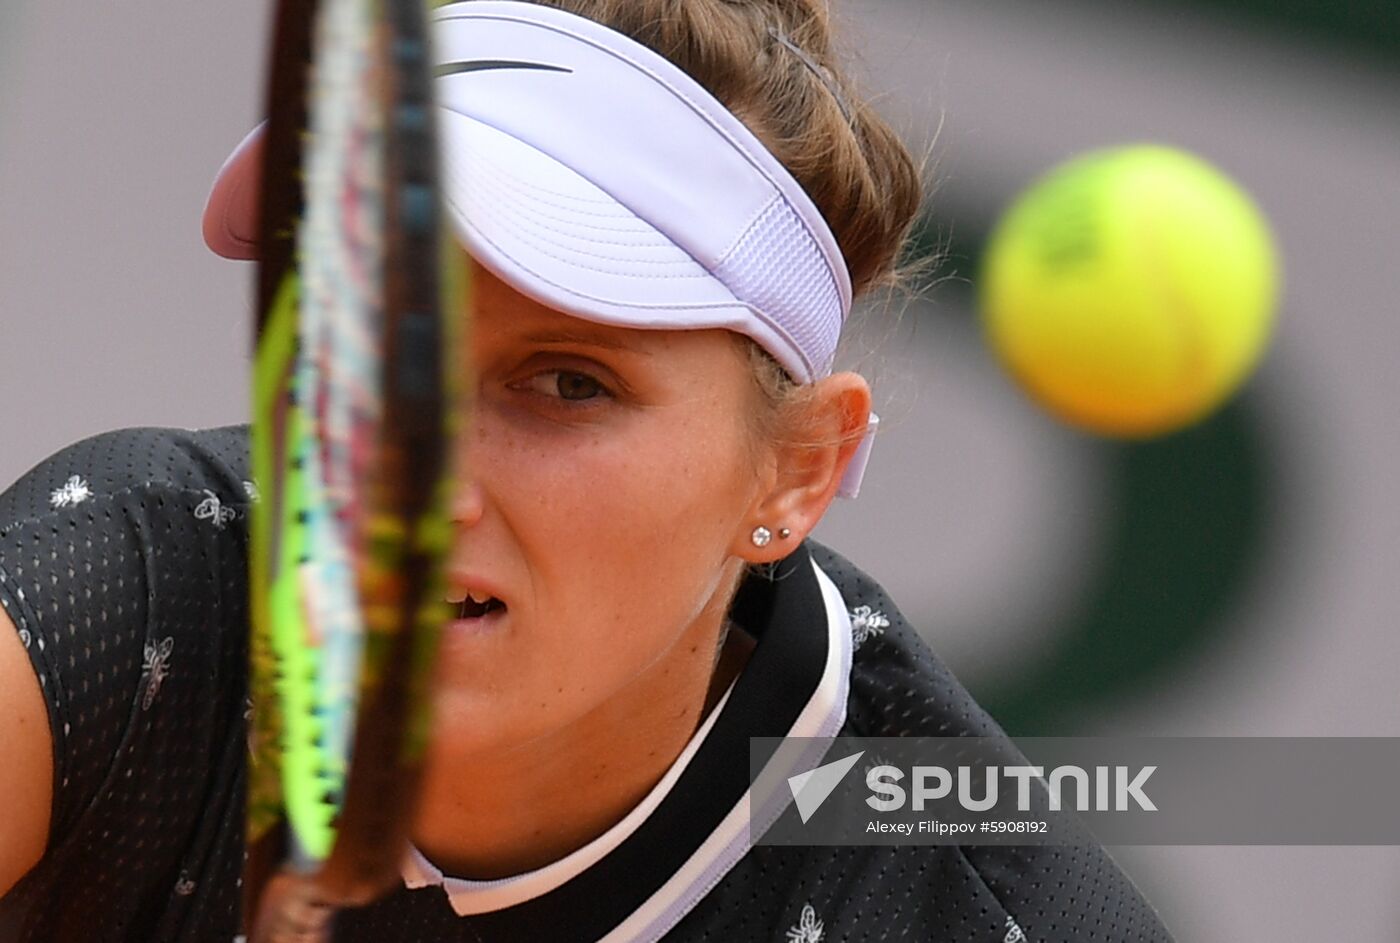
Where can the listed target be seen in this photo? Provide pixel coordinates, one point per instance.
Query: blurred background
(1237, 578)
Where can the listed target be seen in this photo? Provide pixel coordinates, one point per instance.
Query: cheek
(623, 531)
(616, 533)
(650, 481)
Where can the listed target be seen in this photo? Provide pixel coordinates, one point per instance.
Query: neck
(513, 811)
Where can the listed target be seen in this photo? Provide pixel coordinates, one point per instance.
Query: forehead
(500, 312)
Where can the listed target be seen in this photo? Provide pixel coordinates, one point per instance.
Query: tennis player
(670, 206)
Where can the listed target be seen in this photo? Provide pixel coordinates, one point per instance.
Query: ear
(808, 468)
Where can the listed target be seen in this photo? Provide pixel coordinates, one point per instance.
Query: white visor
(596, 177)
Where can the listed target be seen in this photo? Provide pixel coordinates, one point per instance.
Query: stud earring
(784, 533)
(761, 536)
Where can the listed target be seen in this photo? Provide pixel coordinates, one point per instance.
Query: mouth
(476, 611)
(473, 607)
(479, 604)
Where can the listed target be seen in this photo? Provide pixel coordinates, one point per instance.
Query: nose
(467, 503)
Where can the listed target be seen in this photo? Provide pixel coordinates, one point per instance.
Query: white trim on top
(479, 897)
(822, 718)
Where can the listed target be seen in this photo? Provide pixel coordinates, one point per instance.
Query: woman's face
(609, 480)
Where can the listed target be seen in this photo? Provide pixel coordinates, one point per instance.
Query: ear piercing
(762, 536)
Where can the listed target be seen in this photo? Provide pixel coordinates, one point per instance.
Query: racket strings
(354, 413)
(337, 382)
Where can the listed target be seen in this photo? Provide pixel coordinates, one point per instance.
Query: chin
(488, 709)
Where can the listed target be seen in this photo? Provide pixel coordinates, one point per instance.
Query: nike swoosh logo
(486, 65)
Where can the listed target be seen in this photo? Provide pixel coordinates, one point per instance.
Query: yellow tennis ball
(1130, 291)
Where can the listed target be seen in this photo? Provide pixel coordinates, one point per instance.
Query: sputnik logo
(812, 788)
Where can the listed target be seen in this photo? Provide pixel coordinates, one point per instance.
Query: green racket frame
(344, 819)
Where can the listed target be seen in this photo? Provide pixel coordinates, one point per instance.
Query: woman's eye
(567, 385)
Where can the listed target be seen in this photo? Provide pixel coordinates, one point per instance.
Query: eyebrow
(589, 338)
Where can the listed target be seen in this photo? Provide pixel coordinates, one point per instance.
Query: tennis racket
(358, 316)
